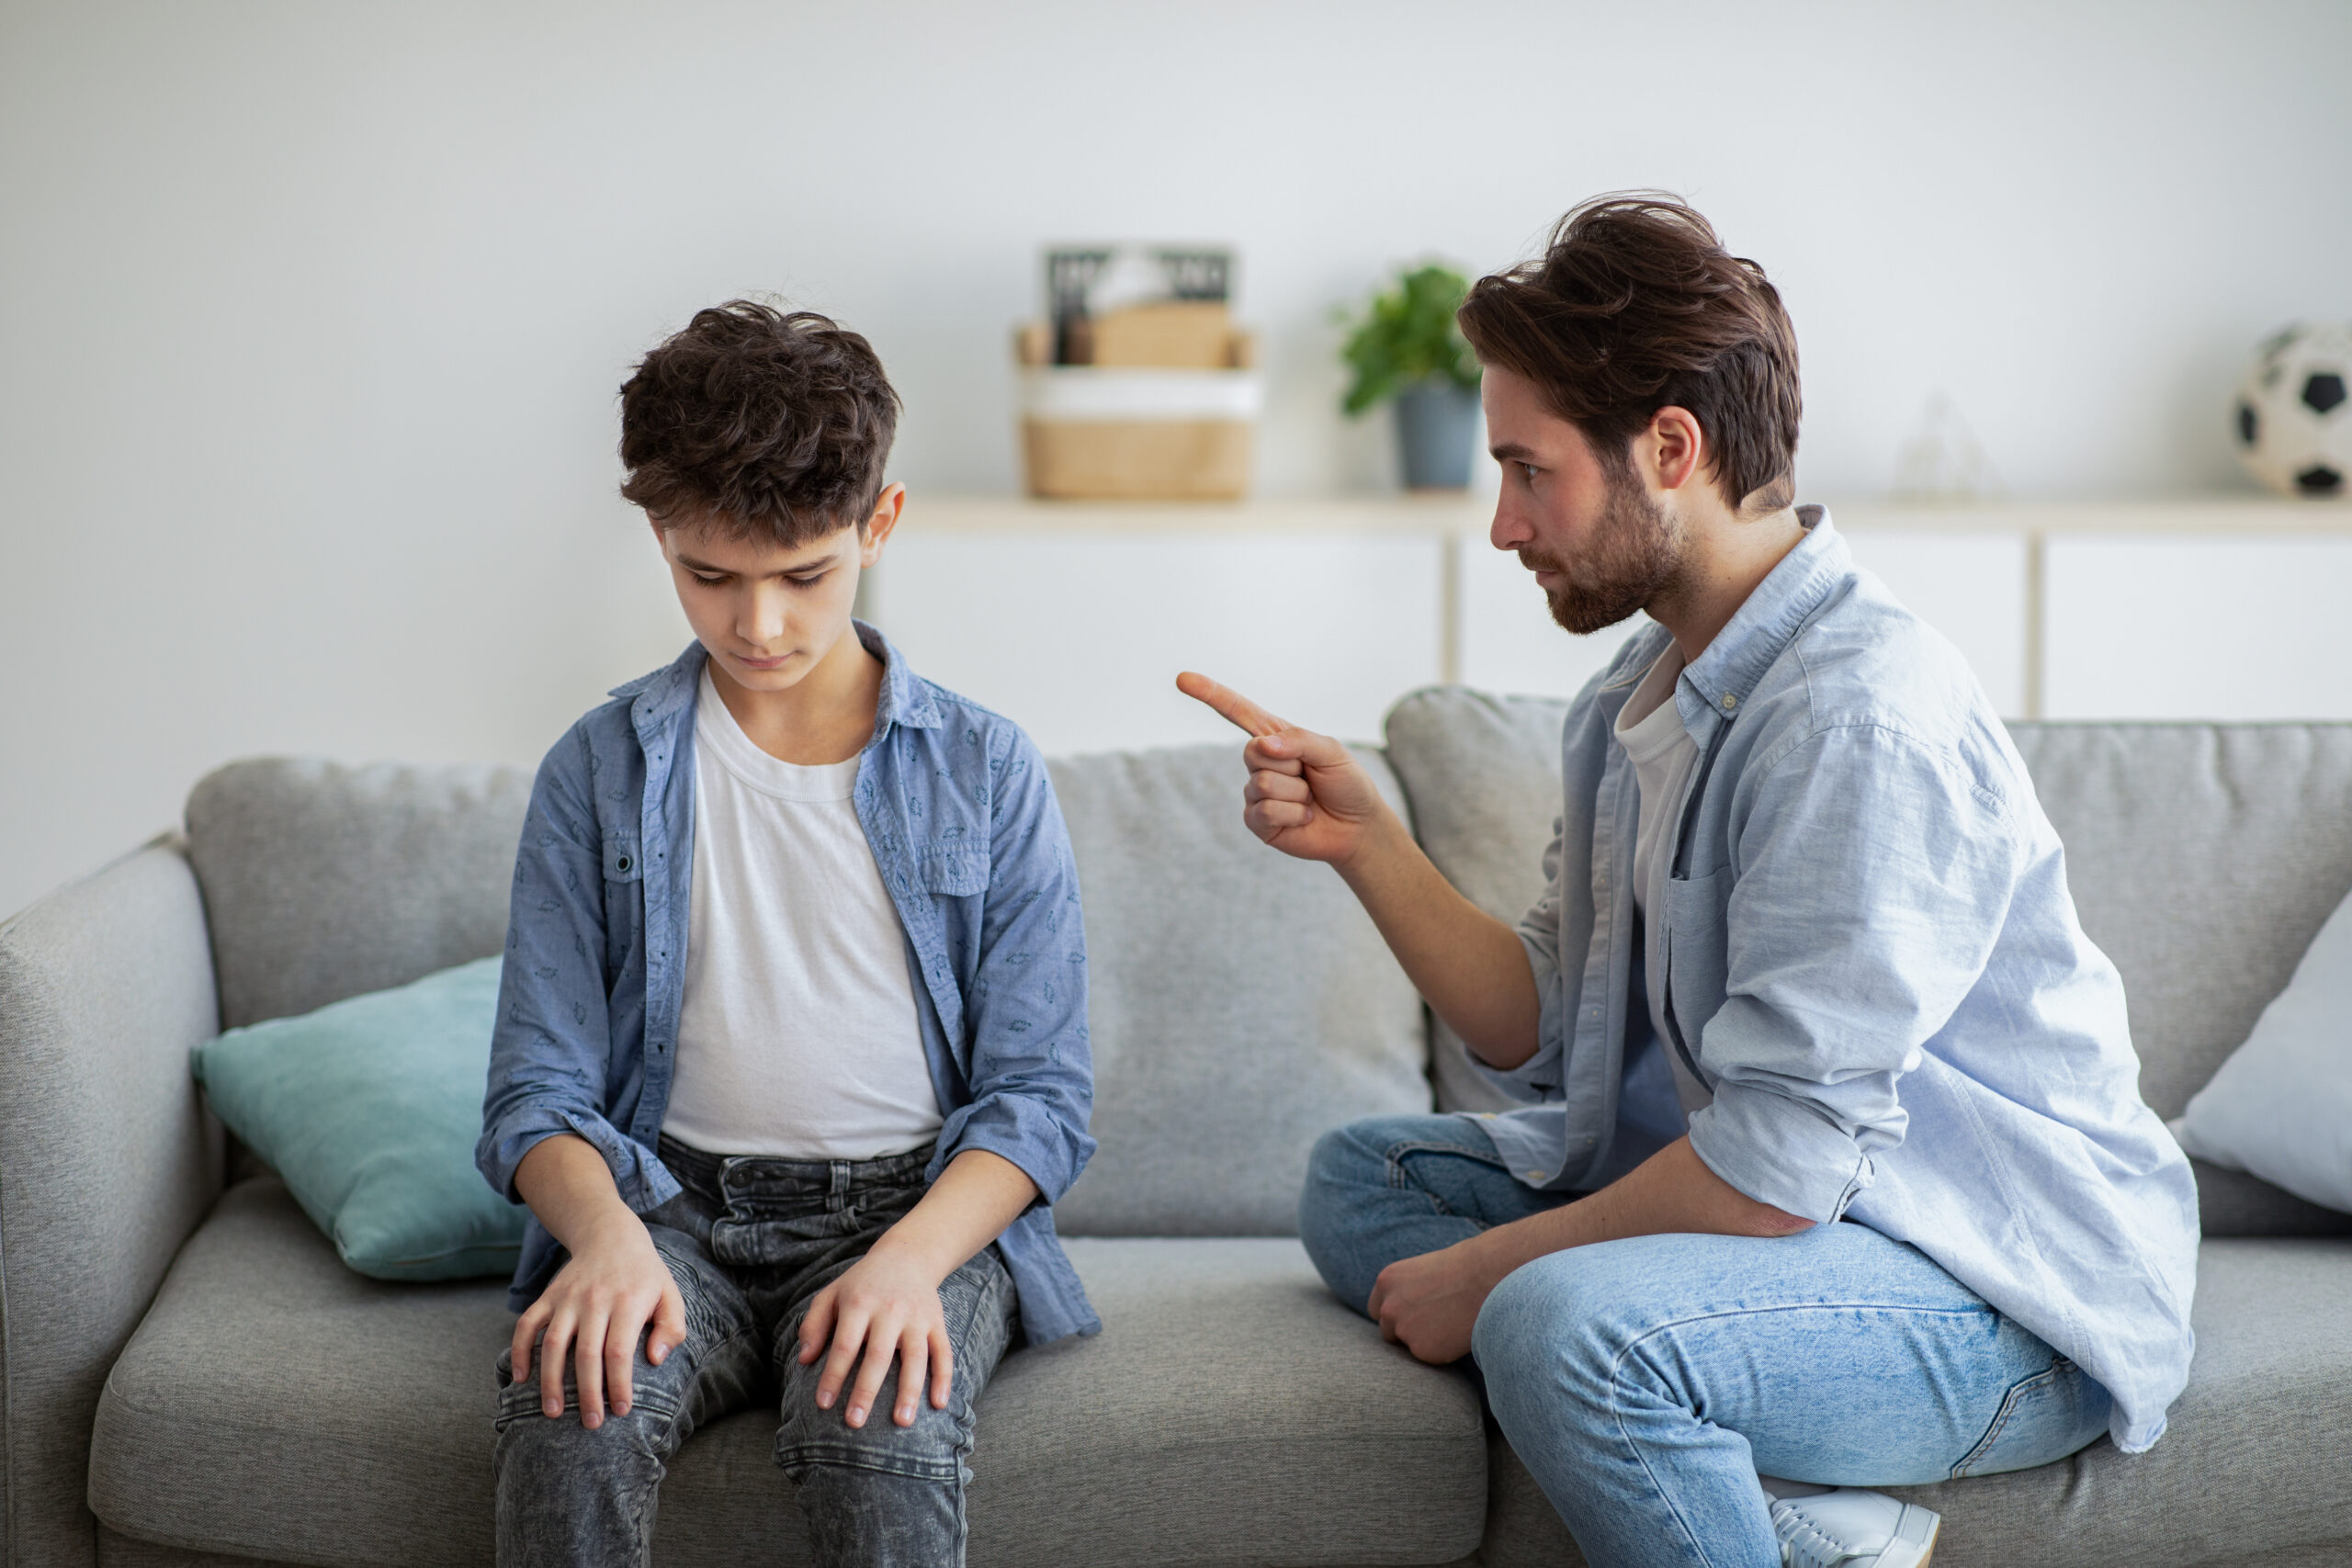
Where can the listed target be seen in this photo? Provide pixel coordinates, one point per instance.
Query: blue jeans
(1645, 1383)
(750, 1242)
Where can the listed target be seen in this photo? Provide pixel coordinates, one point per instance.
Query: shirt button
(1536, 1176)
(1731, 701)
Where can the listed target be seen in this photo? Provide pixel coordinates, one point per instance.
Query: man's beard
(1638, 554)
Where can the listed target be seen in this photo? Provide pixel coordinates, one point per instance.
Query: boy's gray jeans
(750, 1241)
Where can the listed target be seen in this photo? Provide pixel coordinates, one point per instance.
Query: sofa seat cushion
(2257, 1460)
(275, 1404)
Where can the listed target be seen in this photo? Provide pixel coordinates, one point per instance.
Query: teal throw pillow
(370, 1107)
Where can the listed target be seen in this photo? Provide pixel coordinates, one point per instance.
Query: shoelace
(1801, 1544)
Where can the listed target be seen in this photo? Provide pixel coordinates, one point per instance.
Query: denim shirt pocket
(959, 873)
(1696, 956)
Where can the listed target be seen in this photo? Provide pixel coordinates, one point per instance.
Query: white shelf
(1073, 616)
(1473, 513)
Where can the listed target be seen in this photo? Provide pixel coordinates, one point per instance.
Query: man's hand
(890, 1305)
(1307, 797)
(1430, 1303)
(601, 1300)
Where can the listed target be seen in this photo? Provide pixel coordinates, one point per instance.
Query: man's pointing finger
(1230, 705)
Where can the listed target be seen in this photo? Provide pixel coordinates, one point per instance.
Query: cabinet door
(2166, 627)
(1078, 638)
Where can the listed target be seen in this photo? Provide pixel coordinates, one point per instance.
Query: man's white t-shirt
(798, 1035)
(1650, 729)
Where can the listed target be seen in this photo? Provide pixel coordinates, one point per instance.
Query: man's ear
(1677, 447)
(875, 533)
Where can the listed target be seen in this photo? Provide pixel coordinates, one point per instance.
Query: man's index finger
(1230, 705)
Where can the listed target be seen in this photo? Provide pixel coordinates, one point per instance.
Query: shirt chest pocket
(957, 873)
(1698, 950)
(623, 862)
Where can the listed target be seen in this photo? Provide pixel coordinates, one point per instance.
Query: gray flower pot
(1436, 421)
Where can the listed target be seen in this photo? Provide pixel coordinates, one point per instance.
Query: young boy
(791, 1055)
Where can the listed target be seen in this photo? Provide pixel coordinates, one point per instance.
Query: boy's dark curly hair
(771, 425)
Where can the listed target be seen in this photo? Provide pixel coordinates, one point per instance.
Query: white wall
(311, 315)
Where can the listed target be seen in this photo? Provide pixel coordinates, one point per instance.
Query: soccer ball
(2294, 412)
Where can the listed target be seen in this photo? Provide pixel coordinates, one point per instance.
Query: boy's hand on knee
(888, 1306)
(1430, 1303)
(597, 1307)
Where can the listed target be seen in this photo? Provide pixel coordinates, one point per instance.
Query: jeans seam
(999, 1278)
(1617, 1382)
(846, 1456)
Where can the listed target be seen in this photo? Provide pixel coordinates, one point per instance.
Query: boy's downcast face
(766, 613)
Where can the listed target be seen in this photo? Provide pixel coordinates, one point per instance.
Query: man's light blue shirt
(1873, 966)
(960, 816)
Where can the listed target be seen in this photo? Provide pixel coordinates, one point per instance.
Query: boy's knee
(556, 1455)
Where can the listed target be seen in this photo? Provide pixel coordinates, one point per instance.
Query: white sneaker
(1853, 1529)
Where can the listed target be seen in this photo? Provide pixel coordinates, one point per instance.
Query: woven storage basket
(1127, 432)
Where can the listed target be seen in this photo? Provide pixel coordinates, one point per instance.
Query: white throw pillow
(2282, 1106)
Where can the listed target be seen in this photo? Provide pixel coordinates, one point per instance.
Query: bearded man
(1833, 1173)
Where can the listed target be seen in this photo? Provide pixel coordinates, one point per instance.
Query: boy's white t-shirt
(798, 1035)
(1650, 729)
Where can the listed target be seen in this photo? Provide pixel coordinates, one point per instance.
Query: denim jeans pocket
(2042, 1418)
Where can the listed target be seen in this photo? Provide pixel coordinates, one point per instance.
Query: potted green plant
(1408, 348)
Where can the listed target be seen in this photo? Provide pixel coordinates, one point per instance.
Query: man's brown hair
(775, 425)
(1634, 305)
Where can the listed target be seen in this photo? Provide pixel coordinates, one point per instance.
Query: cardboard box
(1195, 334)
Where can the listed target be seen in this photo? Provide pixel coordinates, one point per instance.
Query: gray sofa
(192, 1378)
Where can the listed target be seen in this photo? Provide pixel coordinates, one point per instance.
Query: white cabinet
(1077, 633)
(2163, 626)
(1074, 618)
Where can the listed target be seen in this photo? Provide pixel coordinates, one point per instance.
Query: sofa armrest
(108, 1160)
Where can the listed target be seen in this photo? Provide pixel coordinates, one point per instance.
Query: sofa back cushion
(322, 881)
(1241, 1003)
(2204, 858)
(1483, 775)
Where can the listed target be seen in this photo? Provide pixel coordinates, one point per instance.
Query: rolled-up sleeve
(1870, 879)
(552, 1038)
(1032, 1065)
(1538, 1077)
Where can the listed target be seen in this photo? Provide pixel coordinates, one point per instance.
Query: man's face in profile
(1601, 546)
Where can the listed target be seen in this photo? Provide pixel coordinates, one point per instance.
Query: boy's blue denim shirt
(1873, 963)
(960, 813)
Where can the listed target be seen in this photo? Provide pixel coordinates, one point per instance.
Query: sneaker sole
(1915, 1539)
